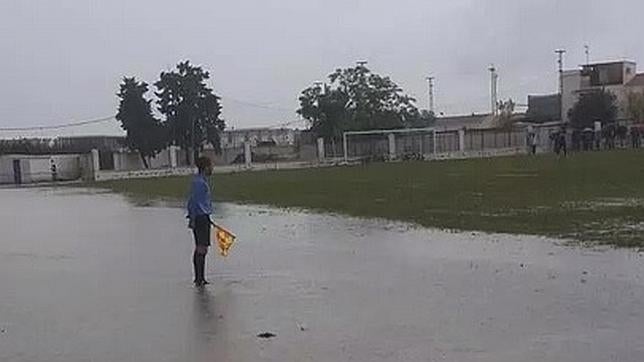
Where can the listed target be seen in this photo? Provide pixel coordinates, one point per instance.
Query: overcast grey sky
(62, 60)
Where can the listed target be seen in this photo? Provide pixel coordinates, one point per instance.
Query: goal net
(384, 145)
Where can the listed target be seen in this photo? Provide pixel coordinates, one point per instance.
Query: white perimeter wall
(38, 168)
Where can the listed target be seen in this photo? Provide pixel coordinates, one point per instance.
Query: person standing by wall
(562, 142)
(532, 140)
(635, 136)
(199, 215)
(54, 170)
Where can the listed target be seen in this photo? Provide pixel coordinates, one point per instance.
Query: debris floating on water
(267, 335)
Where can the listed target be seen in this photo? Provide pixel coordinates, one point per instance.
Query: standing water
(87, 276)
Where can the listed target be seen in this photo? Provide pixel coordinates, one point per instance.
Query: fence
(480, 140)
(428, 143)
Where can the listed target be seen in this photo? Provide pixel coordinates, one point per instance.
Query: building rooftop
(474, 121)
(610, 62)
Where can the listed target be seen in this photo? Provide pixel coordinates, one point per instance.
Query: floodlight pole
(560, 62)
(430, 80)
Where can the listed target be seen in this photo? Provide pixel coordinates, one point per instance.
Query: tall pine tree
(144, 133)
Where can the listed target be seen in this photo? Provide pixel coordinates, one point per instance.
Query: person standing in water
(199, 215)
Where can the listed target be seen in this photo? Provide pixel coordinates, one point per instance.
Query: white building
(257, 136)
(620, 78)
(26, 169)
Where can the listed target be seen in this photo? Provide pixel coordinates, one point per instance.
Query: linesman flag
(225, 240)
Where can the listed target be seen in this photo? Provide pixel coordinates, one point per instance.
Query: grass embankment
(597, 196)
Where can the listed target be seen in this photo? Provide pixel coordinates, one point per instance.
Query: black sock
(197, 265)
(202, 267)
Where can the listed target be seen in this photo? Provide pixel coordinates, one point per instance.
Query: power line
(105, 119)
(257, 105)
(58, 126)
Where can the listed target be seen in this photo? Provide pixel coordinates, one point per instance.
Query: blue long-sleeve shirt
(199, 200)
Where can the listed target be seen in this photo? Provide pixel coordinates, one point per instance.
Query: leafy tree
(357, 99)
(505, 114)
(636, 106)
(144, 133)
(191, 108)
(593, 106)
(326, 110)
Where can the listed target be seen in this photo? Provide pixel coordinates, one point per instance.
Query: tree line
(352, 99)
(189, 112)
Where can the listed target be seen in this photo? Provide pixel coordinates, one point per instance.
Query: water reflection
(203, 315)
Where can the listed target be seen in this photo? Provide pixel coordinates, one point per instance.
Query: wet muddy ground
(88, 276)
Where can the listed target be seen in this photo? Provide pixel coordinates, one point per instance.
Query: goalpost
(385, 145)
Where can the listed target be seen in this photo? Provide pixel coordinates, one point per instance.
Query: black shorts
(201, 230)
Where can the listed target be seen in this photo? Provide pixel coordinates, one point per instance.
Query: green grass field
(591, 197)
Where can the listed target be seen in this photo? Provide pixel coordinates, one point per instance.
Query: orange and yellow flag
(225, 240)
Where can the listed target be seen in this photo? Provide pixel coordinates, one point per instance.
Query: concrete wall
(6, 170)
(151, 173)
(308, 152)
(38, 168)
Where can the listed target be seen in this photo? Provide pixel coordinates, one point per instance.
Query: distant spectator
(576, 140)
(532, 142)
(636, 137)
(561, 142)
(588, 139)
(554, 139)
(609, 137)
(621, 132)
(54, 170)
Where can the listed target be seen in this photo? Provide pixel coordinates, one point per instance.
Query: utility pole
(587, 51)
(430, 80)
(494, 78)
(560, 61)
